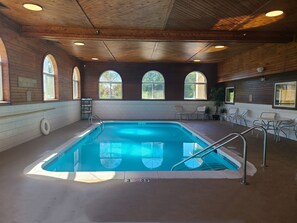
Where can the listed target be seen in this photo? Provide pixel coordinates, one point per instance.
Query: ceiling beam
(56, 32)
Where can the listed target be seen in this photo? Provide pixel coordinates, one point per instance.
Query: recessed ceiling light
(219, 46)
(95, 58)
(274, 13)
(196, 61)
(79, 43)
(32, 7)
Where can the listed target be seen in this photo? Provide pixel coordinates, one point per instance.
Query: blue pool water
(136, 146)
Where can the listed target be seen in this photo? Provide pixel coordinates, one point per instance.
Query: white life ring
(45, 126)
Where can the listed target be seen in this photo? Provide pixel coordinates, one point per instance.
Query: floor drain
(137, 180)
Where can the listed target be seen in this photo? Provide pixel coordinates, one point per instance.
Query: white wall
(147, 110)
(18, 129)
(255, 111)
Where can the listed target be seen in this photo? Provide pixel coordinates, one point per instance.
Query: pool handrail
(208, 147)
(224, 143)
(92, 117)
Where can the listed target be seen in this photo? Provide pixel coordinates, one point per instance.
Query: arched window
(4, 78)
(49, 78)
(195, 86)
(76, 83)
(153, 85)
(110, 85)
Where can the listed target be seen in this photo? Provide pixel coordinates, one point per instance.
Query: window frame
(54, 75)
(4, 78)
(1, 81)
(275, 94)
(196, 84)
(76, 82)
(110, 83)
(152, 84)
(226, 95)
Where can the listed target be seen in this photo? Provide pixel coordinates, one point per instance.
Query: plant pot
(216, 117)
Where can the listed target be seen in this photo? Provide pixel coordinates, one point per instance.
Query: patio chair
(232, 114)
(200, 111)
(242, 117)
(267, 120)
(180, 112)
(287, 127)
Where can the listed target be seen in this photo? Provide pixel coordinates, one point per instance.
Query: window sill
(4, 103)
(51, 100)
(188, 99)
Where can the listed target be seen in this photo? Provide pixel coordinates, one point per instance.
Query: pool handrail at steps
(221, 143)
(96, 117)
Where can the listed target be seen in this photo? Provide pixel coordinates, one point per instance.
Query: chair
(180, 111)
(267, 120)
(200, 111)
(242, 116)
(232, 114)
(289, 126)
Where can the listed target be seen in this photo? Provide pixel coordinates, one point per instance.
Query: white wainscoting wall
(18, 124)
(255, 110)
(144, 110)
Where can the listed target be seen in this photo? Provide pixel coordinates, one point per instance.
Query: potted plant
(217, 94)
(207, 112)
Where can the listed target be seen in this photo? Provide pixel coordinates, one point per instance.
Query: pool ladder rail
(223, 141)
(96, 117)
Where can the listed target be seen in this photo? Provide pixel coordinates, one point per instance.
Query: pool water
(137, 146)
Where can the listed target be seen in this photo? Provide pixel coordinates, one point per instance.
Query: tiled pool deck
(270, 197)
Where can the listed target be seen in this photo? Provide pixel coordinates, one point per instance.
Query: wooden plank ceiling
(156, 30)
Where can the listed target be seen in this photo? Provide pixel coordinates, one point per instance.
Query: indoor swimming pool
(137, 146)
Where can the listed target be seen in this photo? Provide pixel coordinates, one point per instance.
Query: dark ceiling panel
(130, 51)
(211, 15)
(131, 14)
(88, 51)
(55, 13)
(147, 16)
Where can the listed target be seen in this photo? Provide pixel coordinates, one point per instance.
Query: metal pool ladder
(96, 117)
(223, 141)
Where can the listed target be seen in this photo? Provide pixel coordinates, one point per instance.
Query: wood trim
(57, 32)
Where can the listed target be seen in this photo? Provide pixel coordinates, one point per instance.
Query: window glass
(230, 95)
(285, 94)
(76, 83)
(49, 75)
(153, 86)
(110, 85)
(195, 87)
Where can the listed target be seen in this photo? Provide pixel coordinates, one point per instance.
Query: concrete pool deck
(270, 197)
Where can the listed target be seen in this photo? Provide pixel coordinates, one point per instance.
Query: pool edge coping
(35, 169)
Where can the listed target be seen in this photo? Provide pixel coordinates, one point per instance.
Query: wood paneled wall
(262, 91)
(275, 58)
(132, 73)
(25, 58)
